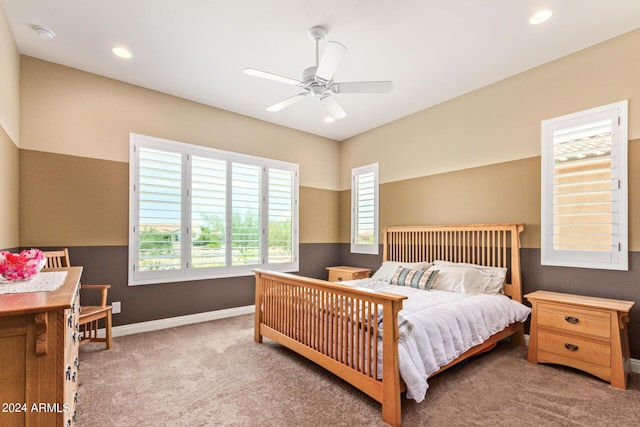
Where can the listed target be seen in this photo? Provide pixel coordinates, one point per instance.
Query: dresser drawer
(574, 347)
(575, 320)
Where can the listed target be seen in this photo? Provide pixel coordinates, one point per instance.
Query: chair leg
(107, 328)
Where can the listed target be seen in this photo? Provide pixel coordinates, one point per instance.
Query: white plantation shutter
(281, 216)
(584, 218)
(364, 209)
(246, 219)
(160, 213)
(199, 213)
(208, 212)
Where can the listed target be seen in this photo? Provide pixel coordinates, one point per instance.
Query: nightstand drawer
(566, 345)
(575, 320)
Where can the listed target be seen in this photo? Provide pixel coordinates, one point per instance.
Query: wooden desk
(39, 341)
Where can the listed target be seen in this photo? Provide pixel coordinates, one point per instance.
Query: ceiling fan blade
(333, 108)
(362, 87)
(285, 103)
(271, 76)
(331, 58)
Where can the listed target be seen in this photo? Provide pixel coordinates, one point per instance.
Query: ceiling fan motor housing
(315, 87)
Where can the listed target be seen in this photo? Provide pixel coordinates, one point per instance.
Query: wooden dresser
(342, 273)
(39, 343)
(585, 333)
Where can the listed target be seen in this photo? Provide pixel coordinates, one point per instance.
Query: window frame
(372, 248)
(617, 260)
(186, 272)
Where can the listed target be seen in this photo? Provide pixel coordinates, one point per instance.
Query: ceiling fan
(317, 81)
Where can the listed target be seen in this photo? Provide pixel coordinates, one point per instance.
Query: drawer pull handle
(571, 319)
(571, 347)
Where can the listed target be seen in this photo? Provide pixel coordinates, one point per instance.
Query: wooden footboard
(336, 327)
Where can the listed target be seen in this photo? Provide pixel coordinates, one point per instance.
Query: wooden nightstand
(585, 333)
(342, 273)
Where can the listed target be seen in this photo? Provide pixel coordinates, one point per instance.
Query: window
(584, 189)
(198, 213)
(364, 209)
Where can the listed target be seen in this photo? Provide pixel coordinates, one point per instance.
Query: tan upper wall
(499, 193)
(500, 122)
(9, 192)
(67, 111)
(9, 136)
(9, 81)
(78, 201)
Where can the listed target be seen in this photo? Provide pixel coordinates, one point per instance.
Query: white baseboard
(172, 322)
(635, 363)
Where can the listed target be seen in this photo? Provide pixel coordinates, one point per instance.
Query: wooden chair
(89, 314)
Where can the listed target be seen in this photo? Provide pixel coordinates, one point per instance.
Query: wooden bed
(329, 323)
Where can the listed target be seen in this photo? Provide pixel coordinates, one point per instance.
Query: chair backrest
(57, 259)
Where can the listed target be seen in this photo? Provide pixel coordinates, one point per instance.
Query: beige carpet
(214, 374)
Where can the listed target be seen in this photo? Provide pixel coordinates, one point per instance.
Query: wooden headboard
(495, 245)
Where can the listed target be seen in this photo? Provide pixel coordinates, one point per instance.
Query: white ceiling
(432, 50)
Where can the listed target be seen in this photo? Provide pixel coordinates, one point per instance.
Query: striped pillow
(421, 279)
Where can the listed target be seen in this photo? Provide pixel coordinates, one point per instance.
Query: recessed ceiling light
(121, 52)
(540, 17)
(329, 119)
(44, 33)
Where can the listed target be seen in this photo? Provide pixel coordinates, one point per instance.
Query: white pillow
(464, 280)
(388, 268)
(498, 274)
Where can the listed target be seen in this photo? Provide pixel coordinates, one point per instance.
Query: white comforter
(441, 326)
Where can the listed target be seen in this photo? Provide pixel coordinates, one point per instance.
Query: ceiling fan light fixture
(540, 17)
(329, 119)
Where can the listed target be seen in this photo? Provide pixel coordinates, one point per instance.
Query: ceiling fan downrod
(317, 33)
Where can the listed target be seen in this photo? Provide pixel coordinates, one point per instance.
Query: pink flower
(21, 266)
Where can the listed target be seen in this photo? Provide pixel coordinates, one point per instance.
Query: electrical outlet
(115, 307)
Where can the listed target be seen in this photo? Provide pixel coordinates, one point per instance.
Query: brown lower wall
(108, 264)
(624, 285)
